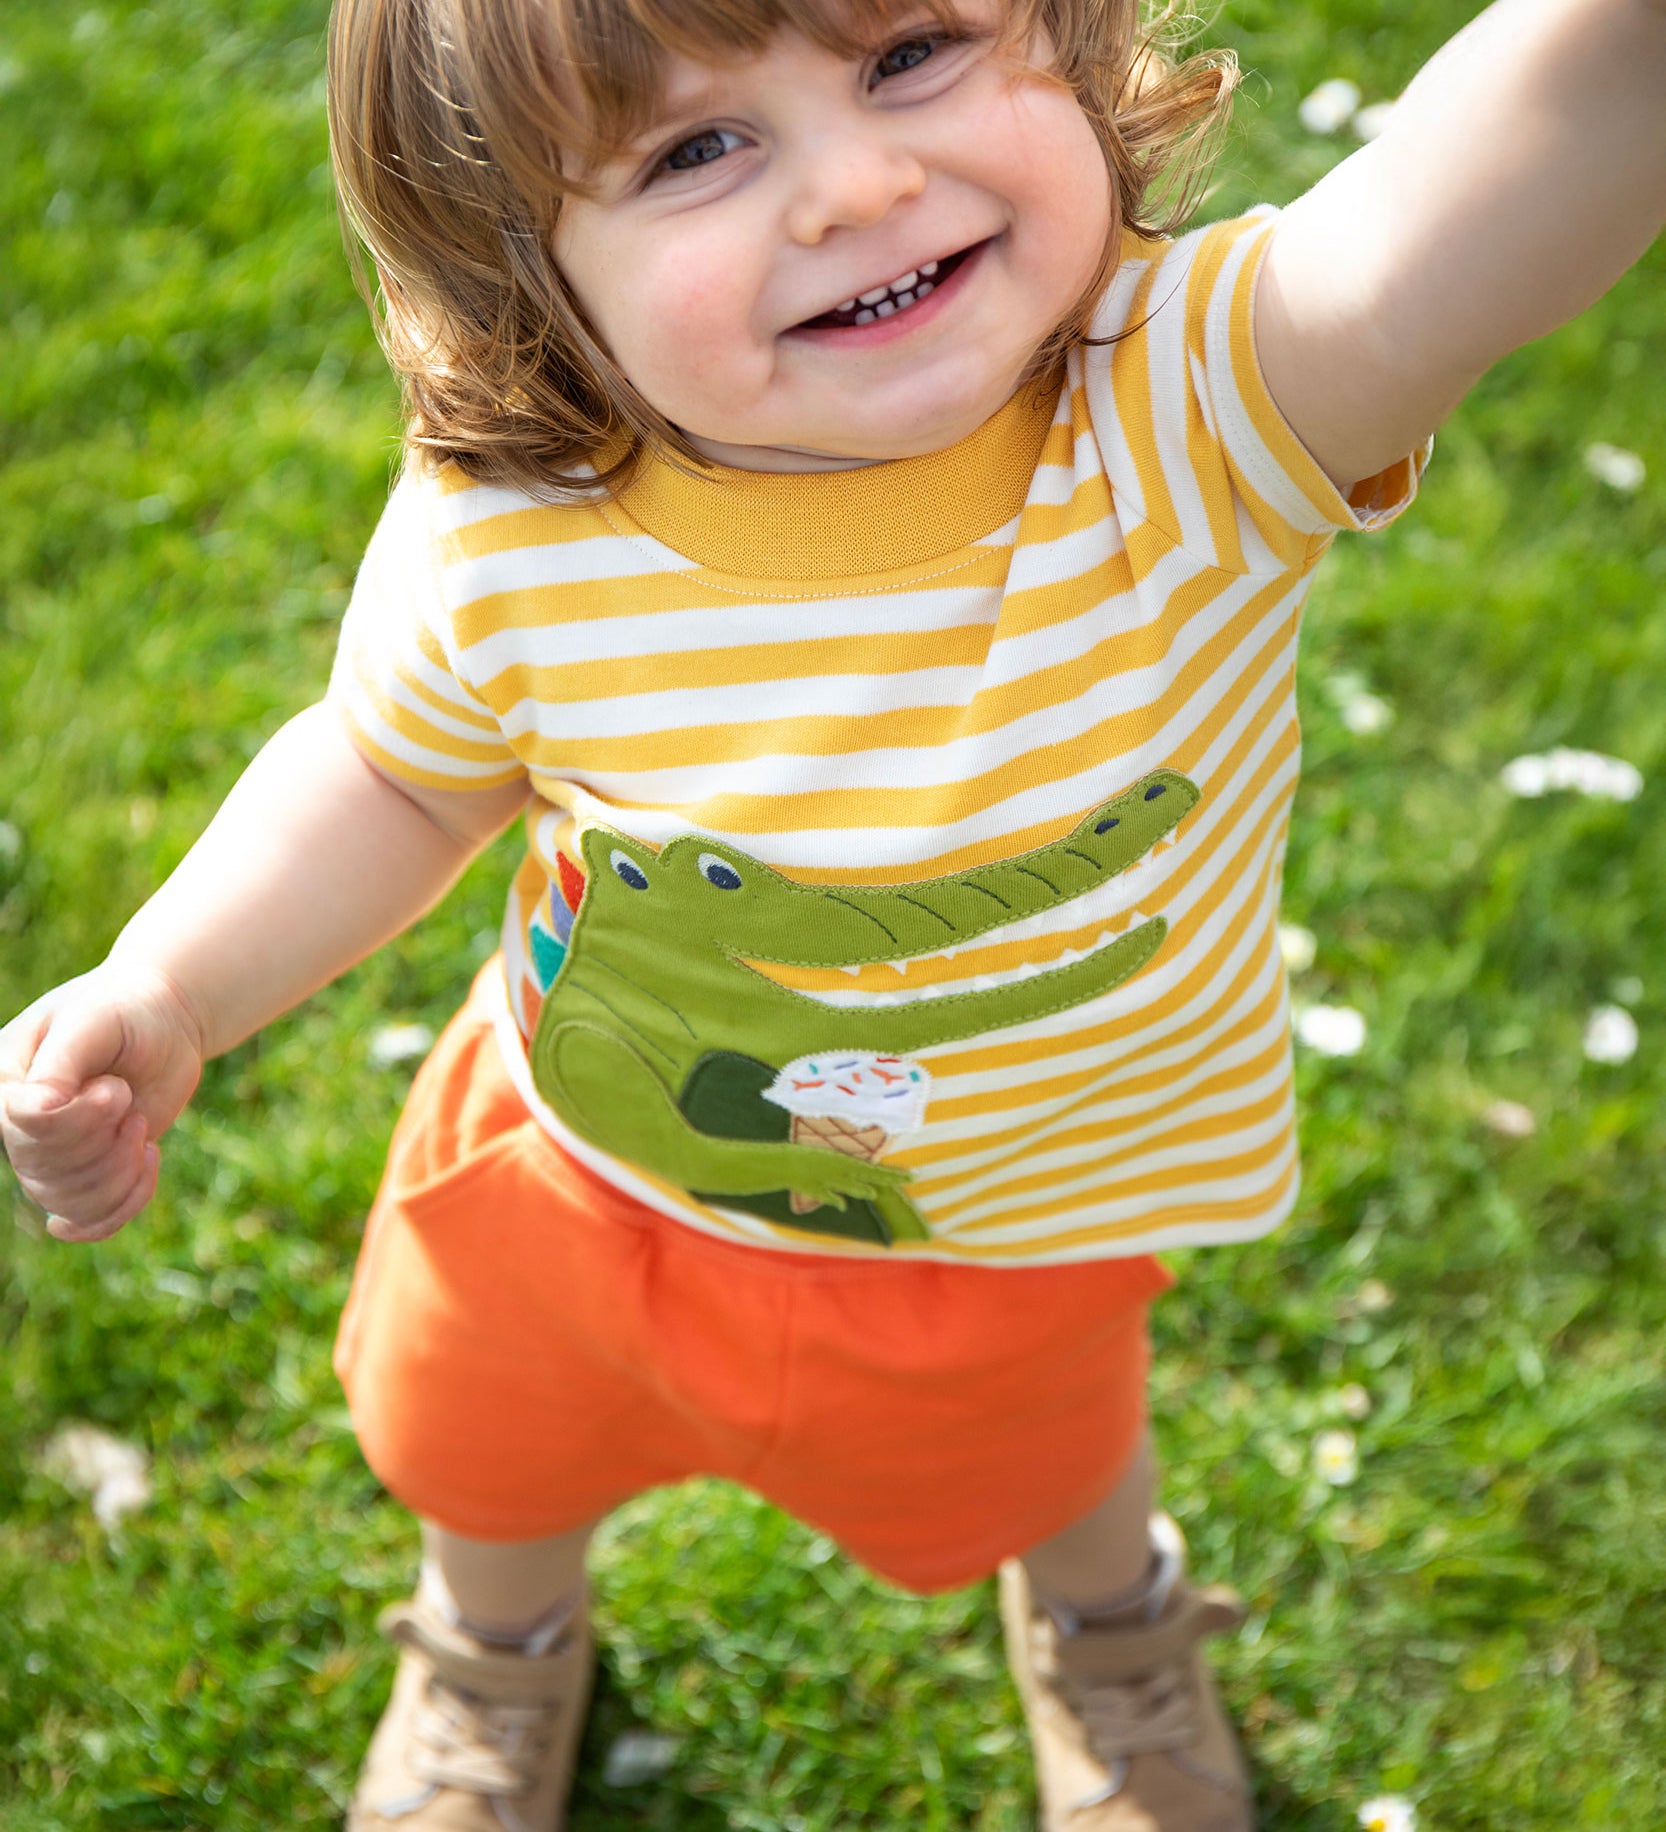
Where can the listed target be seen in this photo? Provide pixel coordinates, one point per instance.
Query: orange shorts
(526, 1346)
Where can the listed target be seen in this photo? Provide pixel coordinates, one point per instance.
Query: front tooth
(904, 281)
(928, 267)
(904, 299)
(848, 305)
(885, 308)
(923, 288)
(873, 298)
(864, 317)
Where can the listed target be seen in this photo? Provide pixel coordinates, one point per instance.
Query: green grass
(199, 433)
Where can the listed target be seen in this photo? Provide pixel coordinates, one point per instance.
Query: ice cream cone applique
(856, 1103)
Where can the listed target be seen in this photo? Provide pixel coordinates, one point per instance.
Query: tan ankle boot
(1127, 1730)
(475, 1738)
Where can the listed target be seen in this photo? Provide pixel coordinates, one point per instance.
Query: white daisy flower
(1610, 1035)
(396, 1043)
(1528, 777)
(637, 1756)
(1510, 1119)
(1388, 1813)
(92, 1462)
(1615, 466)
(1332, 1030)
(1585, 772)
(1336, 1457)
(1354, 1401)
(1363, 712)
(1330, 106)
(1372, 119)
(1366, 714)
(1297, 946)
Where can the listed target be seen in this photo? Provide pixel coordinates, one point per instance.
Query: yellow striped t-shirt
(904, 843)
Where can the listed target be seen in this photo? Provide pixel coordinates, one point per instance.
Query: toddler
(868, 553)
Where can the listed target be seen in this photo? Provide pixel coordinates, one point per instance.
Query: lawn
(199, 433)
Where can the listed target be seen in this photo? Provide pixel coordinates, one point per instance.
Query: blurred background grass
(198, 436)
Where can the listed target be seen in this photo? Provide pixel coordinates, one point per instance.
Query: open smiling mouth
(885, 301)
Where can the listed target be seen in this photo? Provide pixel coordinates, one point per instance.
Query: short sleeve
(399, 680)
(1191, 438)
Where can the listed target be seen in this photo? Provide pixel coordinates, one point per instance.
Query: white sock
(1144, 1599)
(537, 1637)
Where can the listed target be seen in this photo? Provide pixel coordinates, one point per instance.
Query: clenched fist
(91, 1076)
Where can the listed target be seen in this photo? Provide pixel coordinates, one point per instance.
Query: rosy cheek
(699, 318)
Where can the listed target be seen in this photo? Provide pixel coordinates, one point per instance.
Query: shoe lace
(477, 1746)
(1131, 1717)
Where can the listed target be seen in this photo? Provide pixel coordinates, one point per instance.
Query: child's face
(770, 192)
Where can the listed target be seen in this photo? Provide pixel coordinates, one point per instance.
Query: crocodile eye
(718, 871)
(628, 869)
(1156, 789)
(1107, 824)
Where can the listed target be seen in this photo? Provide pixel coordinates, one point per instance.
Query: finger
(21, 1039)
(80, 1045)
(48, 1112)
(95, 1173)
(64, 1142)
(126, 1195)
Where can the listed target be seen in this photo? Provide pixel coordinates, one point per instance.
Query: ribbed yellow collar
(832, 524)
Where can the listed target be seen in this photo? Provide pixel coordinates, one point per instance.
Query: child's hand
(91, 1076)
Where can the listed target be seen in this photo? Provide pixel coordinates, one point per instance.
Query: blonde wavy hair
(457, 128)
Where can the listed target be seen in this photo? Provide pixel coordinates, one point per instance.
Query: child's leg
(1103, 1560)
(504, 1591)
(1103, 1637)
(489, 1701)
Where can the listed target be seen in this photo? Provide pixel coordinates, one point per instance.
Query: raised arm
(314, 860)
(1519, 176)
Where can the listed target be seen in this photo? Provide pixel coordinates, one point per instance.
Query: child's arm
(314, 861)
(1519, 176)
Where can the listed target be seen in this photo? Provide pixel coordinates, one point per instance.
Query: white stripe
(1109, 1210)
(779, 774)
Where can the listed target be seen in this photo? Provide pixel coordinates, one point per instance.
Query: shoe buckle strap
(480, 1671)
(1131, 1650)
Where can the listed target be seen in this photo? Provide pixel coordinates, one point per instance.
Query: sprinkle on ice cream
(859, 1087)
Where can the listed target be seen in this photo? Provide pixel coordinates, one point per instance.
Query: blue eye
(719, 872)
(908, 54)
(628, 869)
(703, 148)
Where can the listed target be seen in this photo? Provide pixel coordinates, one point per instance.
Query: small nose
(851, 181)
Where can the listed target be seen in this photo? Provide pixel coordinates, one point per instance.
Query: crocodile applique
(664, 1040)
